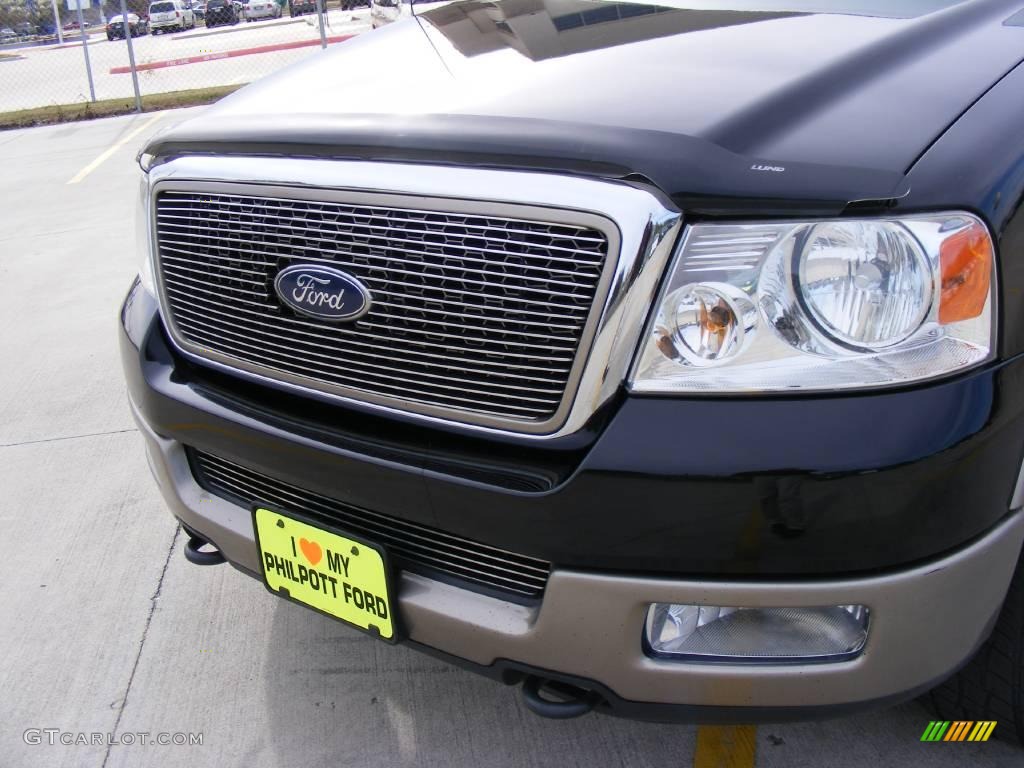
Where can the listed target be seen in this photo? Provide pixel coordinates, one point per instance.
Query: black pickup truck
(667, 360)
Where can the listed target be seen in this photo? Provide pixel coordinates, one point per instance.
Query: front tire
(991, 686)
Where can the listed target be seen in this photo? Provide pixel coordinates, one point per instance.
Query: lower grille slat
(477, 374)
(367, 380)
(390, 371)
(473, 317)
(414, 547)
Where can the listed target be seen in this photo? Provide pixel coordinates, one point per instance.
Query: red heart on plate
(311, 550)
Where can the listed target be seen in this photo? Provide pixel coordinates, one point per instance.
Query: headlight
(142, 240)
(866, 285)
(821, 305)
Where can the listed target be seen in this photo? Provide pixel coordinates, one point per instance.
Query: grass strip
(66, 113)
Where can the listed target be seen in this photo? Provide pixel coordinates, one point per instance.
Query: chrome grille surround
(468, 337)
(639, 228)
(414, 547)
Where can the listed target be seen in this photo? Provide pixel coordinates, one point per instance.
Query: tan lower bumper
(925, 621)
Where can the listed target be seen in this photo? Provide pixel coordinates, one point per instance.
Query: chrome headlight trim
(783, 373)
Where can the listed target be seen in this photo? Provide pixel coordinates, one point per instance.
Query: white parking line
(106, 154)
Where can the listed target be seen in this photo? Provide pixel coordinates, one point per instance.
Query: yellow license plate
(342, 577)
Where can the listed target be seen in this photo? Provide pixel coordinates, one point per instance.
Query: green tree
(12, 13)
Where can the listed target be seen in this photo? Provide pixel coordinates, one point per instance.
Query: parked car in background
(220, 12)
(25, 29)
(168, 15)
(136, 26)
(300, 7)
(199, 8)
(261, 9)
(7, 35)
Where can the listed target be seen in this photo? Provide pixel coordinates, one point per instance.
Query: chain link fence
(53, 53)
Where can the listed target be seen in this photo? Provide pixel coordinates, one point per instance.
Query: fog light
(762, 635)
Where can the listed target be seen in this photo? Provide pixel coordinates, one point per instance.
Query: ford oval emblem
(322, 292)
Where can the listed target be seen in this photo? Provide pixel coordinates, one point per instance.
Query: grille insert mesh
(470, 313)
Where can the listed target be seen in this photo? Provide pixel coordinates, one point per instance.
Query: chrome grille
(471, 313)
(412, 546)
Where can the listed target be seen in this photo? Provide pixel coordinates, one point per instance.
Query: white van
(167, 15)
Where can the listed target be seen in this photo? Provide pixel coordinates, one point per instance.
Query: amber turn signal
(966, 273)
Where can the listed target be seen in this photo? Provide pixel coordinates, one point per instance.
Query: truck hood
(727, 101)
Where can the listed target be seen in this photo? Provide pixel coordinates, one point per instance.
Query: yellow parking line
(105, 155)
(725, 746)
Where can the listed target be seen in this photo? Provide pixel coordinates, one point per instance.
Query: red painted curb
(228, 54)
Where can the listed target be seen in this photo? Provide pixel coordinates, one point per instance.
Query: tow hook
(570, 701)
(194, 553)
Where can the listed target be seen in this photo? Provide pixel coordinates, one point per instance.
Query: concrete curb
(240, 27)
(228, 54)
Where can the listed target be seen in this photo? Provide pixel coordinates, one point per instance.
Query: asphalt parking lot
(199, 58)
(107, 629)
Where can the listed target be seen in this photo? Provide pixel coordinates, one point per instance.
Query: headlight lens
(821, 305)
(866, 285)
(709, 323)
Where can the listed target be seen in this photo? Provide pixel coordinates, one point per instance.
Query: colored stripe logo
(958, 730)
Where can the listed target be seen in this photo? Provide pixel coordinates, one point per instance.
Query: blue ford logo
(322, 292)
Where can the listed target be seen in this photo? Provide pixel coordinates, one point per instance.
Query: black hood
(774, 101)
